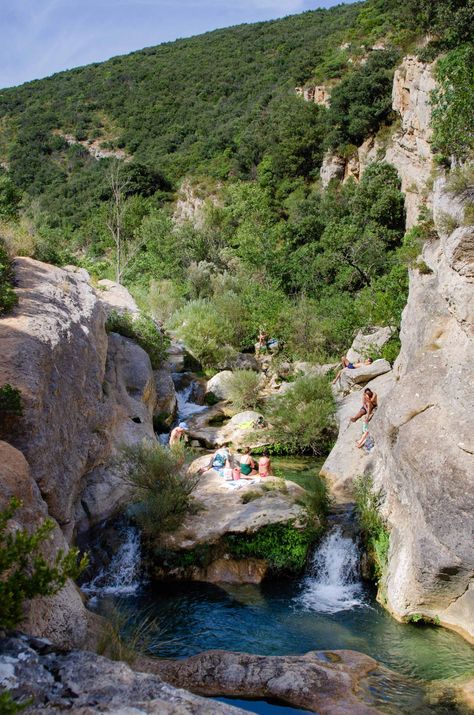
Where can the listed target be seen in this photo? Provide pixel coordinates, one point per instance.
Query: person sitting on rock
(346, 364)
(219, 460)
(261, 344)
(178, 434)
(365, 433)
(369, 404)
(264, 465)
(248, 467)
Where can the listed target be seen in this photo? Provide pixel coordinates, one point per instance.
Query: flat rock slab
(224, 513)
(83, 683)
(361, 375)
(329, 683)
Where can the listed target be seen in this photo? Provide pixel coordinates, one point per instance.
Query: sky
(40, 37)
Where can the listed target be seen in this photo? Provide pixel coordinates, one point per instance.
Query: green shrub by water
(284, 546)
(143, 331)
(162, 492)
(373, 528)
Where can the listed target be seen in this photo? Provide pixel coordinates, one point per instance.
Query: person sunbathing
(369, 404)
(346, 364)
(264, 465)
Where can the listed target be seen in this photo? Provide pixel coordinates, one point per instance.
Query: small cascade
(333, 583)
(186, 406)
(122, 575)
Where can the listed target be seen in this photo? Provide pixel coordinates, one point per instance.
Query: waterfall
(122, 575)
(333, 583)
(187, 408)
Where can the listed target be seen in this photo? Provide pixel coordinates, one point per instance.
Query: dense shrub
(143, 331)
(24, 572)
(204, 331)
(373, 528)
(161, 491)
(302, 419)
(7, 294)
(243, 389)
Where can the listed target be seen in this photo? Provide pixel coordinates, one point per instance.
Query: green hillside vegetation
(221, 110)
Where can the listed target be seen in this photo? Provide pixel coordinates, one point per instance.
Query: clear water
(187, 408)
(328, 609)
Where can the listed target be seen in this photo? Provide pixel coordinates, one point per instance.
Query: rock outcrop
(329, 683)
(81, 682)
(84, 393)
(319, 94)
(410, 149)
(424, 438)
(237, 509)
(217, 386)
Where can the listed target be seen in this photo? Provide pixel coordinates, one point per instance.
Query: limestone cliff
(424, 437)
(409, 146)
(84, 393)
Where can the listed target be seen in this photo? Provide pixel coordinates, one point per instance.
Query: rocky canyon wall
(84, 393)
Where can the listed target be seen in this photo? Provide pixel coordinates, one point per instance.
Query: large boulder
(365, 343)
(346, 461)
(80, 682)
(362, 375)
(218, 386)
(425, 443)
(215, 427)
(115, 297)
(166, 404)
(241, 361)
(326, 683)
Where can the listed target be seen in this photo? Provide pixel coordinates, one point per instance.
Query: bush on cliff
(143, 331)
(160, 489)
(24, 572)
(373, 528)
(7, 294)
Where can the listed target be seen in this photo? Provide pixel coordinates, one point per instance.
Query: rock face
(84, 393)
(114, 296)
(346, 462)
(322, 682)
(424, 439)
(366, 342)
(333, 167)
(81, 682)
(319, 94)
(410, 149)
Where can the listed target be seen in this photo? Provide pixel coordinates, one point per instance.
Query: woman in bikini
(350, 366)
(264, 465)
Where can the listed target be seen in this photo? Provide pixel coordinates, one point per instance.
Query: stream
(328, 608)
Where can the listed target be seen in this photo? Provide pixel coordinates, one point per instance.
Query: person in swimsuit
(247, 465)
(369, 404)
(178, 434)
(220, 460)
(350, 366)
(264, 465)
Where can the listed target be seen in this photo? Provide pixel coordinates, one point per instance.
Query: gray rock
(346, 462)
(116, 297)
(166, 404)
(361, 375)
(309, 368)
(322, 682)
(84, 683)
(425, 444)
(241, 361)
(217, 386)
(365, 343)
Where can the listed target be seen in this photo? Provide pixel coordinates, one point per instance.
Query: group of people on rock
(239, 466)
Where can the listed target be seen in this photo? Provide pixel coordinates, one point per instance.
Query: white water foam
(186, 408)
(333, 583)
(122, 576)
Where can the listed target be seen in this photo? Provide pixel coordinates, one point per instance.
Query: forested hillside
(99, 152)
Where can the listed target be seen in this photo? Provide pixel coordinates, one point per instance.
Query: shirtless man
(178, 433)
(351, 366)
(369, 404)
